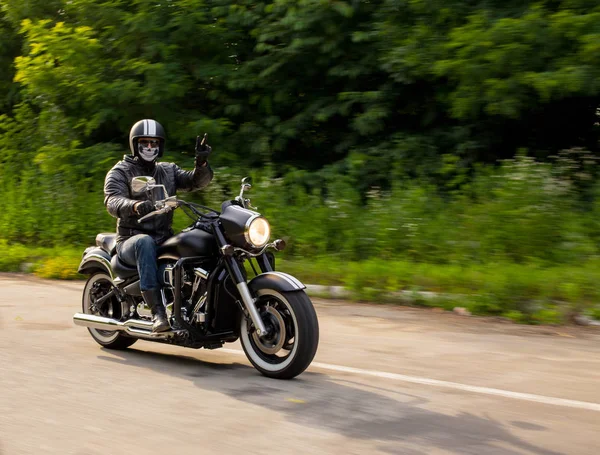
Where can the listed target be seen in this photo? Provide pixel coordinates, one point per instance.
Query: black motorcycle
(209, 298)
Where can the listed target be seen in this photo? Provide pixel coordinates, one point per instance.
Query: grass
(523, 293)
(51, 263)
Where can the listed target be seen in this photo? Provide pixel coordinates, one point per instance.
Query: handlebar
(164, 206)
(156, 212)
(171, 203)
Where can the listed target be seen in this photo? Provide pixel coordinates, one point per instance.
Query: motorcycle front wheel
(293, 334)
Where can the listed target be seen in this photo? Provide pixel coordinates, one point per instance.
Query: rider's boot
(159, 314)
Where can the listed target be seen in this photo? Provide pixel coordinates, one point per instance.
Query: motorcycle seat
(121, 269)
(108, 242)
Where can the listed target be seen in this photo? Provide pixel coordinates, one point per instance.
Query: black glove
(144, 208)
(202, 150)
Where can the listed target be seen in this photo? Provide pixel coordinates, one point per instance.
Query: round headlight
(258, 232)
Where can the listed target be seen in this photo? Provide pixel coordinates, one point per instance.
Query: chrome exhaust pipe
(101, 323)
(135, 327)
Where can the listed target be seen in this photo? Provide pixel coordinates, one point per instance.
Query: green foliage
(547, 316)
(57, 263)
(60, 267)
(594, 312)
(522, 211)
(450, 134)
(515, 316)
(540, 296)
(12, 258)
(312, 83)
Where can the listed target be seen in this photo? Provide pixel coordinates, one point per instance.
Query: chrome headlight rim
(249, 222)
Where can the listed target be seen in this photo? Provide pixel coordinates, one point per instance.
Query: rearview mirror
(246, 185)
(142, 184)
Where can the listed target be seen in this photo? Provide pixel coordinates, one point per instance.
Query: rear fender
(278, 281)
(93, 259)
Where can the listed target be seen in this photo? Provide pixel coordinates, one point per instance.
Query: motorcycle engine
(193, 293)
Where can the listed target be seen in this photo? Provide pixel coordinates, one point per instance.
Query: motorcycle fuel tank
(191, 243)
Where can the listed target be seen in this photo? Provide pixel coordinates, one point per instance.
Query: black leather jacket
(119, 200)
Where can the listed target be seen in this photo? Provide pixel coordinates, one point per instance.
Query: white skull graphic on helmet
(148, 148)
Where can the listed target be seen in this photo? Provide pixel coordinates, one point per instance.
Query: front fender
(278, 281)
(94, 259)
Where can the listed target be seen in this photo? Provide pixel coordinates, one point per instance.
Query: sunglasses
(146, 142)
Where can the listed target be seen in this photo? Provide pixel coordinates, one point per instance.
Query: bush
(516, 240)
(60, 267)
(12, 258)
(523, 212)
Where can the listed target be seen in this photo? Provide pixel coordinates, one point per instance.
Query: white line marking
(452, 385)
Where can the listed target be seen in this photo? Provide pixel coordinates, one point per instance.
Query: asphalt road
(386, 380)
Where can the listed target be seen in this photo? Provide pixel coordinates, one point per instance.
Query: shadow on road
(351, 409)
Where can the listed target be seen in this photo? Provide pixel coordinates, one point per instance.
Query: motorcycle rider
(137, 242)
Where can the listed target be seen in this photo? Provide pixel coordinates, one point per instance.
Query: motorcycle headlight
(257, 231)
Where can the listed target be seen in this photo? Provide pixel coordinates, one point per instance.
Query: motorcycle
(209, 298)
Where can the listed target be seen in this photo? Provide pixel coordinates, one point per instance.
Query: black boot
(154, 300)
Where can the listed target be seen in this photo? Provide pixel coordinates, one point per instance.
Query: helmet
(146, 128)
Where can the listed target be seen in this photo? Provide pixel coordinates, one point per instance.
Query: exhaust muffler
(135, 327)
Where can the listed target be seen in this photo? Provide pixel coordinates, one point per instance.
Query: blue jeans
(140, 250)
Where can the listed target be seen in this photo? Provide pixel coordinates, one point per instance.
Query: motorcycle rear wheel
(97, 285)
(295, 334)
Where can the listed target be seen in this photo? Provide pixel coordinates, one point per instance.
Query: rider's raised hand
(202, 151)
(143, 208)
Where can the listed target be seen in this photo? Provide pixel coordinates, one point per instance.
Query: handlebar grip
(145, 217)
(156, 212)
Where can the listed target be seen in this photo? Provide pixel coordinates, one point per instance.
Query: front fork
(235, 271)
(266, 262)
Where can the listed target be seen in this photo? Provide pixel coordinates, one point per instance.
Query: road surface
(386, 380)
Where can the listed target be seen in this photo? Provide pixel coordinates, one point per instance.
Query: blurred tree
(385, 85)
(380, 91)
(307, 77)
(9, 49)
